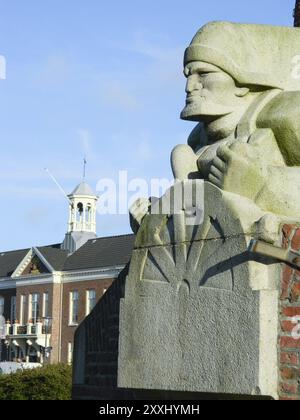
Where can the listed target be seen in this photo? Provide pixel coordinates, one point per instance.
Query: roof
(102, 252)
(9, 261)
(55, 256)
(96, 253)
(83, 189)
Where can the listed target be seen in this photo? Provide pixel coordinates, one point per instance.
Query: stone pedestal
(200, 311)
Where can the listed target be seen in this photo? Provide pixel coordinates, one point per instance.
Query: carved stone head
(226, 61)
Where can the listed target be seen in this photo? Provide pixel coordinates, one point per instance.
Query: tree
(52, 382)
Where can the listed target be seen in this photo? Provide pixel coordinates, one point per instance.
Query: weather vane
(84, 168)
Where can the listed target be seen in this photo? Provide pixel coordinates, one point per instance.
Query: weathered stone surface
(245, 96)
(195, 287)
(200, 311)
(190, 319)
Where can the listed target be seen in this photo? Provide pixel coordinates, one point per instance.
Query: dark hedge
(52, 382)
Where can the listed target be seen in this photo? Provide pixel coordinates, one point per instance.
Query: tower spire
(84, 168)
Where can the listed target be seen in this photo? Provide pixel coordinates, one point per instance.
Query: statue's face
(210, 92)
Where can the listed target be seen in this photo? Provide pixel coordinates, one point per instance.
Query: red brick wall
(28, 290)
(56, 315)
(289, 332)
(59, 295)
(54, 310)
(68, 331)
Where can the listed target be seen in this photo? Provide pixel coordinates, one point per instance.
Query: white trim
(87, 302)
(26, 260)
(37, 308)
(44, 300)
(24, 303)
(88, 275)
(88, 310)
(38, 280)
(94, 270)
(58, 277)
(83, 196)
(70, 353)
(43, 259)
(71, 307)
(22, 265)
(7, 284)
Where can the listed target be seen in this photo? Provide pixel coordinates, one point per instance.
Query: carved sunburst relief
(176, 262)
(177, 253)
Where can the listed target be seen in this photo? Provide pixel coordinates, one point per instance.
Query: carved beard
(203, 110)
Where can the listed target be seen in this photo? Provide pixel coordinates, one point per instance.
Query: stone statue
(245, 97)
(246, 101)
(200, 309)
(243, 90)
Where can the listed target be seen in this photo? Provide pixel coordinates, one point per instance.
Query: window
(74, 304)
(70, 353)
(90, 301)
(24, 312)
(46, 305)
(79, 212)
(1, 305)
(35, 307)
(13, 309)
(88, 213)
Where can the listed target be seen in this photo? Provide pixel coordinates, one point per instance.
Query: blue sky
(95, 78)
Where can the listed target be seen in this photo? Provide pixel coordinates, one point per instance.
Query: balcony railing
(47, 329)
(29, 329)
(22, 330)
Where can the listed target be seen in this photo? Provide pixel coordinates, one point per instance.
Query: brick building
(45, 292)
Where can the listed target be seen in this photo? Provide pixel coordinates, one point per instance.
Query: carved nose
(193, 83)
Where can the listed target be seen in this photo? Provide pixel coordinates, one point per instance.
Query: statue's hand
(137, 212)
(239, 169)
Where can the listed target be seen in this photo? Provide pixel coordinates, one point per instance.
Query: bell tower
(82, 217)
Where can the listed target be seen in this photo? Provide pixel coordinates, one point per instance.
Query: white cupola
(82, 217)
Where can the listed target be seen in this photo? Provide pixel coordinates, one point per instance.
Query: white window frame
(23, 310)
(46, 304)
(37, 307)
(13, 309)
(71, 307)
(70, 353)
(88, 306)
